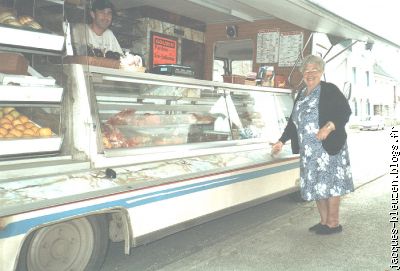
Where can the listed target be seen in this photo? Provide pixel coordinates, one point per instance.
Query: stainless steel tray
(11, 146)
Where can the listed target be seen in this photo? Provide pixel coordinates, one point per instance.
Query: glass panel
(27, 131)
(140, 114)
(258, 115)
(17, 121)
(148, 114)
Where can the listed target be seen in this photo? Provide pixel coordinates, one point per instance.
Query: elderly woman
(316, 129)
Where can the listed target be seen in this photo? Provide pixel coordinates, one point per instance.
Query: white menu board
(267, 46)
(290, 46)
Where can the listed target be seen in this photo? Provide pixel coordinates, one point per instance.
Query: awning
(315, 18)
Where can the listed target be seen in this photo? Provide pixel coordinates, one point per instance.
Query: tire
(80, 244)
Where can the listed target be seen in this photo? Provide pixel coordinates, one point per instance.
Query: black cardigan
(333, 106)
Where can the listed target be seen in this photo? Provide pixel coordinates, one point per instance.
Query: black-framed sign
(164, 49)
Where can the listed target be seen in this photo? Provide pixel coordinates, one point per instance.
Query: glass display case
(147, 114)
(137, 114)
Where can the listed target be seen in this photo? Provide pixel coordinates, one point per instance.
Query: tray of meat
(164, 130)
(133, 118)
(128, 117)
(129, 136)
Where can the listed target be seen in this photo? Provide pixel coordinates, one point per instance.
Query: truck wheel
(79, 244)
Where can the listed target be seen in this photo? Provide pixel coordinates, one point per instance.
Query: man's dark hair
(102, 4)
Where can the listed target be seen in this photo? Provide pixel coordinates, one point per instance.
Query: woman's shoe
(326, 230)
(316, 227)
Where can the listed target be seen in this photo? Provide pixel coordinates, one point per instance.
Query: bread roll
(45, 132)
(25, 19)
(29, 124)
(4, 120)
(15, 132)
(34, 25)
(20, 127)
(3, 131)
(28, 133)
(35, 129)
(9, 117)
(16, 122)
(6, 15)
(24, 119)
(14, 113)
(12, 21)
(7, 110)
(7, 126)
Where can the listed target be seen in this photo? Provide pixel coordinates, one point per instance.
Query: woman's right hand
(277, 147)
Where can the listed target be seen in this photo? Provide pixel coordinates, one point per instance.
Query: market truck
(92, 153)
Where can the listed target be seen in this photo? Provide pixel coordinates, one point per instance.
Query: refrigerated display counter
(149, 130)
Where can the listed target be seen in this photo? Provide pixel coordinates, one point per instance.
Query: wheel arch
(120, 216)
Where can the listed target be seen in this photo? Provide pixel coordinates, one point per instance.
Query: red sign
(164, 50)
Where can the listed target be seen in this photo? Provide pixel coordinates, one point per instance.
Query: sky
(380, 17)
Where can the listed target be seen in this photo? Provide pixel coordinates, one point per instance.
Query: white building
(371, 90)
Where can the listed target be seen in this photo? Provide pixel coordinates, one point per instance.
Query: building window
(355, 107)
(354, 70)
(367, 78)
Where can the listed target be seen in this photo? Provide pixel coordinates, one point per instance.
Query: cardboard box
(13, 63)
(250, 82)
(93, 61)
(235, 79)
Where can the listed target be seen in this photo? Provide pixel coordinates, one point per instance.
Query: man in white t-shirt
(97, 34)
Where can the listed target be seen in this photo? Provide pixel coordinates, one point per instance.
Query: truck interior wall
(249, 30)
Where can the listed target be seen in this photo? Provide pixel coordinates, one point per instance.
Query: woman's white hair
(313, 59)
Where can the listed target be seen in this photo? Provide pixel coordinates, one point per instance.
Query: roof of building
(380, 71)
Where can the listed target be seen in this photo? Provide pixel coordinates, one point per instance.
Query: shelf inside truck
(30, 39)
(17, 146)
(31, 94)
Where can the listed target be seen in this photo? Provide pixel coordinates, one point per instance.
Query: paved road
(214, 245)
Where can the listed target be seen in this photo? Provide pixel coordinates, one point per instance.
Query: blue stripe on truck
(23, 226)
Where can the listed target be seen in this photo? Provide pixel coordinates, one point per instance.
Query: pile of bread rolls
(7, 16)
(15, 125)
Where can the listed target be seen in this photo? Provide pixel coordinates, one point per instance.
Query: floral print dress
(321, 175)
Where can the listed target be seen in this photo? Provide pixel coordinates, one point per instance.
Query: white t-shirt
(105, 42)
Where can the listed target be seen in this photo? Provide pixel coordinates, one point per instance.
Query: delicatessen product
(129, 128)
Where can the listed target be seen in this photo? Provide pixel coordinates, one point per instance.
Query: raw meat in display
(122, 118)
(114, 137)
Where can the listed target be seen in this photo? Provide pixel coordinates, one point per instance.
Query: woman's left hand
(325, 130)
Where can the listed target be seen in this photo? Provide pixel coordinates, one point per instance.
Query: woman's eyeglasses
(313, 71)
